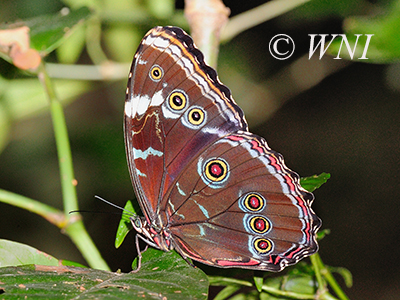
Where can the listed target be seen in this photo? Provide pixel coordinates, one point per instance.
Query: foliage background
(347, 125)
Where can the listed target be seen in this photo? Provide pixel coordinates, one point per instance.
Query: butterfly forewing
(158, 112)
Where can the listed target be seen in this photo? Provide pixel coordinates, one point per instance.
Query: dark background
(346, 125)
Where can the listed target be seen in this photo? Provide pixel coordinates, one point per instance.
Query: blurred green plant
(109, 32)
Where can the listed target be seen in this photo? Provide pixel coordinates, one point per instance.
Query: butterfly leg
(185, 257)
(139, 263)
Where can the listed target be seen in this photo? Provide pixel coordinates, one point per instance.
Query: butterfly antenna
(115, 205)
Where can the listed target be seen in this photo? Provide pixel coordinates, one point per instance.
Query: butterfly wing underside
(157, 141)
(219, 193)
(256, 216)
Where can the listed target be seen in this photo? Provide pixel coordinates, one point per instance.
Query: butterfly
(208, 188)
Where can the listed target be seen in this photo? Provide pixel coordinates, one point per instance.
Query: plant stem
(78, 234)
(278, 292)
(68, 181)
(258, 15)
(330, 279)
(51, 214)
(74, 226)
(93, 44)
(321, 285)
(223, 281)
(213, 13)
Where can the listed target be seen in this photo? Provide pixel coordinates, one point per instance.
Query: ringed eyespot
(156, 73)
(262, 246)
(177, 100)
(260, 224)
(216, 170)
(196, 116)
(254, 202)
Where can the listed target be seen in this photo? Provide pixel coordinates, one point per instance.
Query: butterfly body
(207, 186)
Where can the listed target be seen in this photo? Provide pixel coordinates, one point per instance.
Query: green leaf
(125, 224)
(14, 254)
(159, 266)
(304, 284)
(314, 182)
(69, 263)
(49, 31)
(258, 281)
(164, 258)
(70, 50)
(227, 292)
(322, 233)
(301, 284)
(26, 97)
(121, 41)
(345, 273)
(161, 9)
(40, 35)
(164, 277)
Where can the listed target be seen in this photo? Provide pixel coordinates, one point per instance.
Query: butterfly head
(137, 223)
(152, 235)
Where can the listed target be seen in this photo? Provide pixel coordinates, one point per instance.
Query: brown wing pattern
(217, 191)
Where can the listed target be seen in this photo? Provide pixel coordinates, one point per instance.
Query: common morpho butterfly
(208, 188)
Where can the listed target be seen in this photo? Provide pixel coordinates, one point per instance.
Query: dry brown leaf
(15, 43)
(61, 269)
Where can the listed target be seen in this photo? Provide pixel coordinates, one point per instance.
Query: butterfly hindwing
(256, 199)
